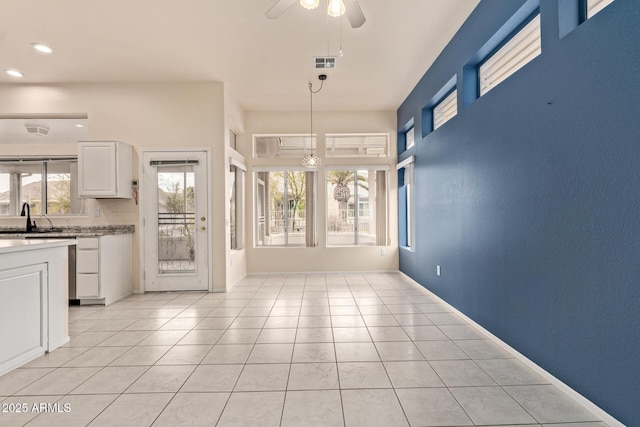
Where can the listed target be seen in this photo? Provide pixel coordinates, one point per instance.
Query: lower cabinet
(23, 315)
(103, 268)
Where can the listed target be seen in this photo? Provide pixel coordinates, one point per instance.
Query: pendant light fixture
(312, 161)
(310, 4)
(336, 8)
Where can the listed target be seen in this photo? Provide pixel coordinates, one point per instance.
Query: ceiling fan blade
(278, 9)
(354, 13)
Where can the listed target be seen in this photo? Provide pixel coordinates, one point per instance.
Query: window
(445, 109)
(406, 217)
(232, 140)
(356, 145)
(513, 55)
(49, 187)
(270, 147)
(356, 206)
(284, 208)
(595, 6)
(410, 138)
(236, 196)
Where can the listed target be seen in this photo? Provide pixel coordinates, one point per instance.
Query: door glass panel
(176, 219)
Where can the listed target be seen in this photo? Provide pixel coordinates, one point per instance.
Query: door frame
(141, 211)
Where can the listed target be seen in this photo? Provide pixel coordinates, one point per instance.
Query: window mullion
(356, 212)
(285, 208)
(43, 189)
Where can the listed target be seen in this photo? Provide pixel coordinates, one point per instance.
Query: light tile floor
(282, 350)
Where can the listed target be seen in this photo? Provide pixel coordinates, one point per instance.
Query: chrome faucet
(30, 226)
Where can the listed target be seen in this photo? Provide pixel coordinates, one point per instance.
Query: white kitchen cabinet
(34, 303)
(103, 268)
(104, 169)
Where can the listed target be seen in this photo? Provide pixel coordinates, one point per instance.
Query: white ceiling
(265, 64)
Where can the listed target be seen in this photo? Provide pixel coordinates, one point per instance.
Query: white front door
(175, 221)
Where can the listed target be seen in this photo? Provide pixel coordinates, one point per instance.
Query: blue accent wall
(529, 198)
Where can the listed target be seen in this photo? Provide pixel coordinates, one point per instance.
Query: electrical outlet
(438, 270)
(96, 212)
(381, 252)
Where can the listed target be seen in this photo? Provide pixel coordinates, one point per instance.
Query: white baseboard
(580, 399)
(276, 273)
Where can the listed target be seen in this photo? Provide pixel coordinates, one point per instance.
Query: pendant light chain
(312, 161)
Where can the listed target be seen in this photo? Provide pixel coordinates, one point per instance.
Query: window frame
(239, 171)
(44, 162)
(407, 167)
(379, 223)
(310, 214)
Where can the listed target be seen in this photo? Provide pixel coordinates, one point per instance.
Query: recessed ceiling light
(79, 125)
(42, 48)
(14, 73)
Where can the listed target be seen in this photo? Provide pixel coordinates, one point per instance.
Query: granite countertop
(68, 231)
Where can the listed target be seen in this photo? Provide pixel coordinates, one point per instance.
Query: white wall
(320, 258)
(143, 115)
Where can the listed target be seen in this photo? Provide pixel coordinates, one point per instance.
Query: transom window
(410, 138)
(446, 109)
(513, 55)
(283, 146)
(595, 6)
(373, 145)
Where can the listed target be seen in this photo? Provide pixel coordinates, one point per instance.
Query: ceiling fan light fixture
(336, 8)
(309, 4)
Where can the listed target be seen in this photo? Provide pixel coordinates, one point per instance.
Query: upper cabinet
(104, 170)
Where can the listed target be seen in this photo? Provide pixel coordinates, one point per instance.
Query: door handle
(203, 228)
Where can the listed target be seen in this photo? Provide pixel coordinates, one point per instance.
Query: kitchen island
(101, 270)
(34, 312)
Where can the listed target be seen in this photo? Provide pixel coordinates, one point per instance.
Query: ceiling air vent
(40, 130)
(325, 61)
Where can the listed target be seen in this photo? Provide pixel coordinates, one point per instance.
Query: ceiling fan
(336, 8)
